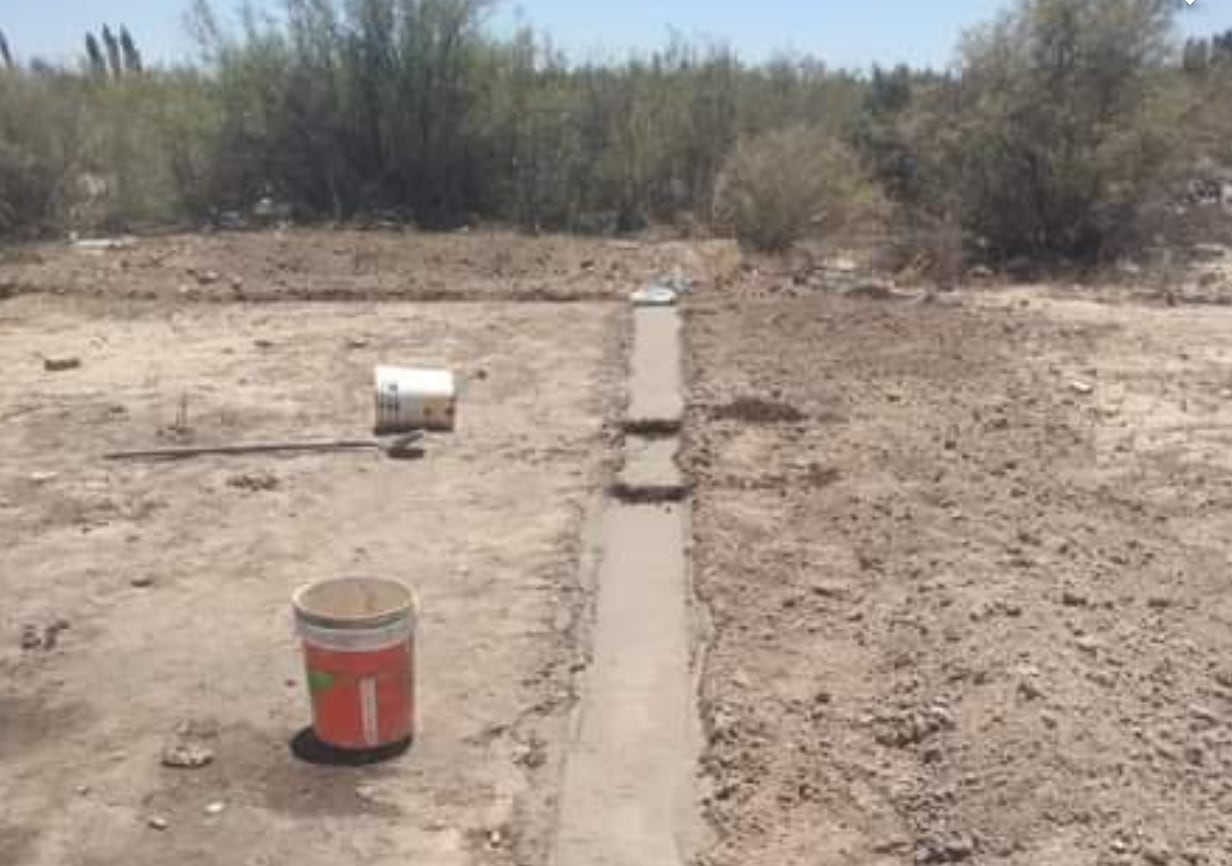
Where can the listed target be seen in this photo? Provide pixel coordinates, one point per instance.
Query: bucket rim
(408, 608)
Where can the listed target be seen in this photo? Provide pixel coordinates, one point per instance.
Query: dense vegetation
(1058, 127)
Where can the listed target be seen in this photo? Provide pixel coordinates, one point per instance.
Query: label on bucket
(411, 399)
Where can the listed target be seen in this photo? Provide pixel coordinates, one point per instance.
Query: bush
(783, 185)
(1055, 129)
(42, 133)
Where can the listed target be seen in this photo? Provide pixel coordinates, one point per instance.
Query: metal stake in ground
(397, 447)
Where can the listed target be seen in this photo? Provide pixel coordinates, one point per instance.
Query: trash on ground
(664, 292)
(654, 296)
(99, 245)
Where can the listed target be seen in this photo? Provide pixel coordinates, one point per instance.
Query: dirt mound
(756, 410)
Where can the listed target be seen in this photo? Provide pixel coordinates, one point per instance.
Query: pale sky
(847, 33)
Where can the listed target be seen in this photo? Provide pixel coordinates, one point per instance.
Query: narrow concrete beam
(650, 472)
(656, 395)
(628, 795)
(628, 788)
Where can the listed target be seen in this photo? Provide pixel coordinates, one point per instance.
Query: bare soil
(343, 265)
(165, 587)
(964, 563)
(974, 605)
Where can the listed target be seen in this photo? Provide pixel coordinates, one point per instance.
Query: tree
(128, 48)
(1060, 124)
(5, 54)
(113, 52)
(1196, 56)
(1221, 48)
(94, 55)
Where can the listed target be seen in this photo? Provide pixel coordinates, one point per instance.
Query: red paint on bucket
(362, 700)
(359, 655)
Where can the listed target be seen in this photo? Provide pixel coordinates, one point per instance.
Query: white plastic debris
(654, 296)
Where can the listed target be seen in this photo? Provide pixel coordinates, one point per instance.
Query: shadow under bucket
(359, 654)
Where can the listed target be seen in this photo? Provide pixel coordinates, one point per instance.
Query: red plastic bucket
(359, 652)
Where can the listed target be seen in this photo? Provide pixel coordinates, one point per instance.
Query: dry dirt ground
(968, 570)
(965, 566)
(159, 591)
(311, 264)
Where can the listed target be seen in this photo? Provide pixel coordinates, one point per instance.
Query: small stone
(1203, 714)
(43, 477)
(1159, 603)
(1083, 388)
(1030, 690)
(61, 364)
(83, 790)
(207, 278)
(216, 808)
(831, 589)
(158, 823)
(143, 582)
(1087, 644)
(255, 482)
(357, 343)
(1157, 856)
(31, 639)
(1102, 678)
(1070, 598)
(187, 756)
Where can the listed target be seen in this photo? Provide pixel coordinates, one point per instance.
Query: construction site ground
(959, 563)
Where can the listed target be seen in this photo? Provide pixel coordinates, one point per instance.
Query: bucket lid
(354, 602)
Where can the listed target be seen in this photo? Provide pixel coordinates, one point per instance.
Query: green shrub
(780, 186)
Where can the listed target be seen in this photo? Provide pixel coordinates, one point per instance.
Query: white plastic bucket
(414, 399)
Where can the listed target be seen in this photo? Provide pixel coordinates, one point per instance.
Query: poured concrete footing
(656, 390)
(628, 792)
(650, 472)
(628, 797)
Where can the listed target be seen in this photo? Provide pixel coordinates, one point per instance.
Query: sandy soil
(968, 574)
(171, 581)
